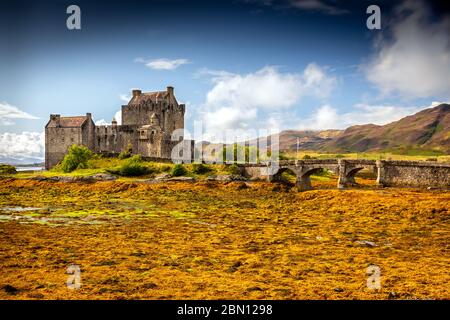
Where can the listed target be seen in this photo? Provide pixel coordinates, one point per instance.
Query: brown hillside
(427, 129)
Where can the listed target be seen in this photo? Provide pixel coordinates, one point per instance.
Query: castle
(148, 121)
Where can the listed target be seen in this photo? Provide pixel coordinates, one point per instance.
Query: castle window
(152, 136)
(143, 134)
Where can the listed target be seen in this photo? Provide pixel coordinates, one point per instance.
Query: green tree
(76, 158)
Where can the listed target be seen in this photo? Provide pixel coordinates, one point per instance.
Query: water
(19, 209)
(19, 168)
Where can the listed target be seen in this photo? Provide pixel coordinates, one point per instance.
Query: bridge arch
(278, 177)
(304, 179)
(349, 168)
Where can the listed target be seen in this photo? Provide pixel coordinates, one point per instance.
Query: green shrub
(322, 173)
(200, 168)
(7, 169)
(133, 167)
(282, 156)
(152, 168)
(136, 158)
(76, 158)
(179, 170)
(124, 154)
(234, 169)
(165, 168)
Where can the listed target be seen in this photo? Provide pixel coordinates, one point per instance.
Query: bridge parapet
(413, 174)
(359, 161)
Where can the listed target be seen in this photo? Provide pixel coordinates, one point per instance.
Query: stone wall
(115, 139)
(413, 174)
(170, 117)
(59, 139)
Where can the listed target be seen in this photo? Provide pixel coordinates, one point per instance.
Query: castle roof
(155, 96)
(77, 121)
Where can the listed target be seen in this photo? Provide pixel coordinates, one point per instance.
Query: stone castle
(148, 121)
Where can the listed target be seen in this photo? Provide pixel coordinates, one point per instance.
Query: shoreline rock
(86, 179)
(226, 178)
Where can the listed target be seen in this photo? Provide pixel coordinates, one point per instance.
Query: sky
(237, 64)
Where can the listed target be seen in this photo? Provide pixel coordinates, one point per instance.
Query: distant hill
(306, 140)
(428, 129)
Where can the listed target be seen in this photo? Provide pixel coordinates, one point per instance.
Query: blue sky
(288, 64)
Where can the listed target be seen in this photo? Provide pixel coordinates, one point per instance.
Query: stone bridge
(389, 173)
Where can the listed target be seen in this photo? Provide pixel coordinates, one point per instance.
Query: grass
(218, 241)
(116, 166)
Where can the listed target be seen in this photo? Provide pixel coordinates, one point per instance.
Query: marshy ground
(211, 240)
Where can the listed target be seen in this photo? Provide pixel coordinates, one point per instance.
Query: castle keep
(148, 121)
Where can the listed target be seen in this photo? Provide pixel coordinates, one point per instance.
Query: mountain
(428, 129)
(306, 140)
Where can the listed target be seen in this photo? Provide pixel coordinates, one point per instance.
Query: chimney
(114, 122)
(136, 93)
(56, 118)
(89, 115)
(170, 91)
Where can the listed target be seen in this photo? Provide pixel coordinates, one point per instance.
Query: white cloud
(214, 74)
(125, 97)
(327, 117)
(25, 147)
(9, 113)
(317, 5)
(322, 6)
(416, 61)
(241, 101)
(163, 63)
(317, 82)
(117, 116)
(102, 122)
